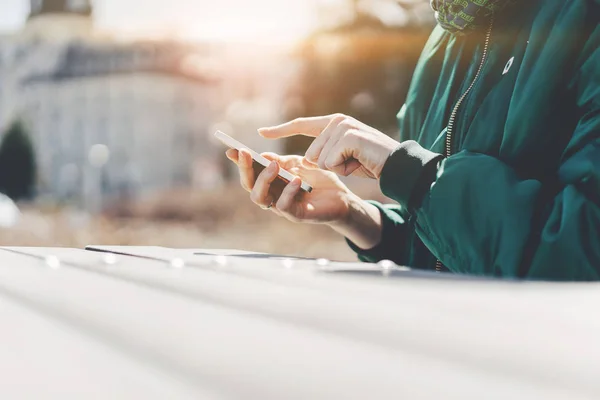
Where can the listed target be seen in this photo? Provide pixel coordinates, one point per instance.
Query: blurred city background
(107, 110)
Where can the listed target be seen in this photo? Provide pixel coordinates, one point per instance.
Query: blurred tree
(17, 163)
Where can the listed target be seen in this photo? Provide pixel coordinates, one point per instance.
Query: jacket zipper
(452, 121)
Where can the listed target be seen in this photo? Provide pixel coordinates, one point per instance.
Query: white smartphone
(283, 174)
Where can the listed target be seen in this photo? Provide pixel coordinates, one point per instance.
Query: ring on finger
(267, 207)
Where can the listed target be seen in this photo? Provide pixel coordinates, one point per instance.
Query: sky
(222, 19)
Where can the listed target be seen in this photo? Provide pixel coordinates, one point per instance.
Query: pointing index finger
(311, 126)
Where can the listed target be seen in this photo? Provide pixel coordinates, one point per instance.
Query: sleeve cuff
(408, 172)
(393, 226)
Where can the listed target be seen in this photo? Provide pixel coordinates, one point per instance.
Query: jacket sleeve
(419, 168)
(395, 231)
(479, 217)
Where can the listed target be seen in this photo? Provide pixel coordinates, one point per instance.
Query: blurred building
(108, 118)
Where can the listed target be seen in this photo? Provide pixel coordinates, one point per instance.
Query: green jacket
(518, 195)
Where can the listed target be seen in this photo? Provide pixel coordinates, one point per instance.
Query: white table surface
(153, 322)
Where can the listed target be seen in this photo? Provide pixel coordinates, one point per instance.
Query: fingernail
(296, 182)
(272, 167)
(261, 131)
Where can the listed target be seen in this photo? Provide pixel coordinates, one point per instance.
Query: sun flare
(238, 20)
(259, 20)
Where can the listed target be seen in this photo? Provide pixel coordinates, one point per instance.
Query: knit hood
(462, 17)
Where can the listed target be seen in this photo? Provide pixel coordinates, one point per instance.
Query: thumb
(309, 164)
(285, 162)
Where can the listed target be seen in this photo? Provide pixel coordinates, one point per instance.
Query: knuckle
(343, 172)
(311, 157)
(293, 160)
(255, 197)
(338, 118)
(348, 123)
(351, 134)
(298, 120)
(283, 206)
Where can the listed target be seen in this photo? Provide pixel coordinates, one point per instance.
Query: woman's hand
(330, 202)
(342, 144)
(327, 203)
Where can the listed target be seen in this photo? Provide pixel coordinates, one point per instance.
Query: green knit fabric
(465, 16)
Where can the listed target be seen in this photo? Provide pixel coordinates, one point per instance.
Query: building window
(36, 6)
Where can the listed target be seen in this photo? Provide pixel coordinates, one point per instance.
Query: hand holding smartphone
(284, 175)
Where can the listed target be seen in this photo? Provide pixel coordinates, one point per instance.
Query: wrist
(361, 223)
(352, 206)
(408, 173)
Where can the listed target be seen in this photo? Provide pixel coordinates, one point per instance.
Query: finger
(311, 126)
(285, 162)
(260, 194)
(275, 211)
(288, 198)
(347, 168)
(331, 143)
(271, 156)
(232, 154)
(340, 159)
(314, 150)
(247, 175)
